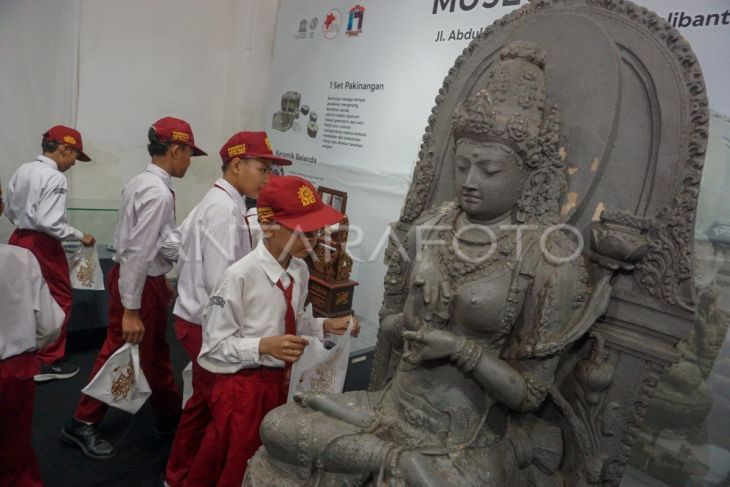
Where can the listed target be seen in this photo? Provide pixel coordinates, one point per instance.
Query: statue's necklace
(464, 259)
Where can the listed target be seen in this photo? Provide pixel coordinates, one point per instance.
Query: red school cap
(68, 136)
(171, 130)
(250, 145)
(294, 203)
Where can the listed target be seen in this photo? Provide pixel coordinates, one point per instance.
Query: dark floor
(141, 457)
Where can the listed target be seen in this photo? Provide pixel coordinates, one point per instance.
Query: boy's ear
(235, 164)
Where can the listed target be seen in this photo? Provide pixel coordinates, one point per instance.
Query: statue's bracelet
(467, 355)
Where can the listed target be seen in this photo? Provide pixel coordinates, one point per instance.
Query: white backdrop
(131, 63)
(38, 78)
(408, 46)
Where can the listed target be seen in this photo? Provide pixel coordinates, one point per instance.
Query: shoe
(163, 482)
(166, 426)
(57, 370)
(87, 438)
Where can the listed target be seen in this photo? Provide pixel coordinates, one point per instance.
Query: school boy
(251, 326)
(37, 206)
(219, 231)
(30, 319)
(139, 295)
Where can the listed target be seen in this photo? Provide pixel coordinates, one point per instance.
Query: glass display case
(96, 217)
(685, 439)
(89, 318)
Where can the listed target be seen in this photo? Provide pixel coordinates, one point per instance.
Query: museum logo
(354, 22)
(332, 24)
(307, 28)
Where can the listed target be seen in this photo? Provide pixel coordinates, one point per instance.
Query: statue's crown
(510, 108)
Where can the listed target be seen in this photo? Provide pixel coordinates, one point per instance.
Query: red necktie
(290, 320)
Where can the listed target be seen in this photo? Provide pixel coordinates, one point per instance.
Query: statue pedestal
(331, 299)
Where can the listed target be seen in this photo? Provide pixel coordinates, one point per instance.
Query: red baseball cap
(68, 136)
(294, 203)
(250, 145)
(173, 130)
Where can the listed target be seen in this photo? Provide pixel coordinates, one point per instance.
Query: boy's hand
(88, 240)
(132, 326)
(338, 326)
(284, 347)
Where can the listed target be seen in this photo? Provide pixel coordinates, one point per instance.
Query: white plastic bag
(120, 382)
(319, 369)
(85, 269)
(187, 376)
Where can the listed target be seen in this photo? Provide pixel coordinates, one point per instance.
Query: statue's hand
(429, 304)
(428, 344)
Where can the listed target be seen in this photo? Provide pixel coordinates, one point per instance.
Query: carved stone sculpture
(674, 436)
(509, 353)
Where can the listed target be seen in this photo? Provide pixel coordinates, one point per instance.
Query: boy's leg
(90, 410)
(81, 430)
(196, 415)
(240, 402)
(18, 465)
(54, 267)
(166, 400)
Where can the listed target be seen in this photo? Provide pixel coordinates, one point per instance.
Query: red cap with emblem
(250, 145)
(68, 136)
(294, 203)
(169, 130)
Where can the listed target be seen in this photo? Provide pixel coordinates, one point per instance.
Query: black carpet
(141, 457)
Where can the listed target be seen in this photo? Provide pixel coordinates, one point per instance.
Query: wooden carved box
(330, 287)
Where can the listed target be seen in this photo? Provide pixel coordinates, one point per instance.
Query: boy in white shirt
(251, 326)
(218, 232)
(30, 319)
(139, 294)
(37, 206)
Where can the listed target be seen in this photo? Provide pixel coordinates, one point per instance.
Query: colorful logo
(69, 140)
(332, 24)
(354, 22)
(306, 196)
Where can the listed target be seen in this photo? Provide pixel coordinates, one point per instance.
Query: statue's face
(488, 178)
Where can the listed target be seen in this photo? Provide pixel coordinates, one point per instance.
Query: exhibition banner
(354, 82)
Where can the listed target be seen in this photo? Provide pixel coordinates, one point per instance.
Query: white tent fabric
(39, 41)
(112, 68)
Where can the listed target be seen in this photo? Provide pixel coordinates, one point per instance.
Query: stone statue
(495, 295)
(509, 353)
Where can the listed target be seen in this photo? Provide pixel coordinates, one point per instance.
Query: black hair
(49, 146)
(155, 147)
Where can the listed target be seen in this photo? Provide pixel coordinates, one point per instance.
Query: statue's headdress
(510, 109)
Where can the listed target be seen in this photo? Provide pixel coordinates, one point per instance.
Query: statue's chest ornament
(463, 261)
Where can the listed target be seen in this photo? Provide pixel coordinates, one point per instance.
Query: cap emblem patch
(181, 136)
(306, 196)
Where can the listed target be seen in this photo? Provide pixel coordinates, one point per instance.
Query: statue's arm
(521, 387)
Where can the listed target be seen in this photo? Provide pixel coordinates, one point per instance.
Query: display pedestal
(331, 299)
